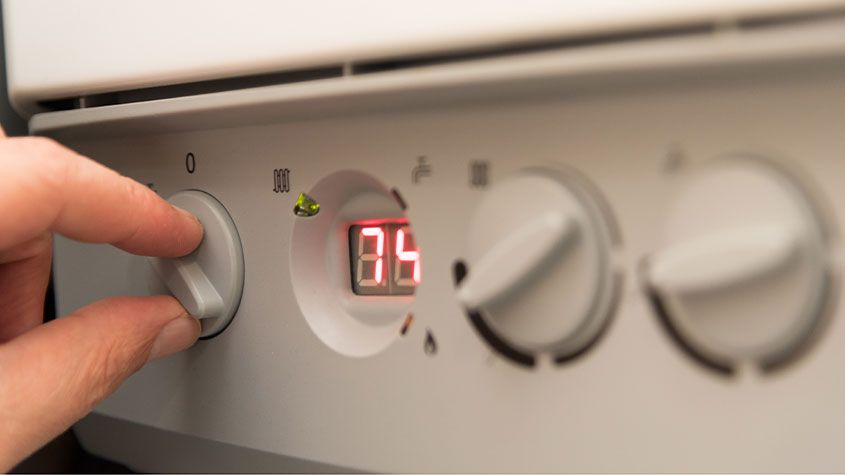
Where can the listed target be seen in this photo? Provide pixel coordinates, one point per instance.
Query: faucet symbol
(422, 169)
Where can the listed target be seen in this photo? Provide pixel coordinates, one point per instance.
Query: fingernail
(177, 335)
(188, 215)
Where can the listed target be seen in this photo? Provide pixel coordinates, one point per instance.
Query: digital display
(384, 259)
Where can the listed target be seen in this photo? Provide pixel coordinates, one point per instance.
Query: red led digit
(377, 257)
(404, 256)
(384, 259)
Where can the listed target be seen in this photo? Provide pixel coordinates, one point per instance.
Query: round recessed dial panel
(355, 264)
(539, 265)
(743, 271)
(209, 281)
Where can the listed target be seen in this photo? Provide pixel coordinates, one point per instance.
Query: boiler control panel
(521, 269)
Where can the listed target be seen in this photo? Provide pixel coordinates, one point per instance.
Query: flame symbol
(430, 346)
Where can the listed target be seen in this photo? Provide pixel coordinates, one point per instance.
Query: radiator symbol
(281, 180)
(478, 174)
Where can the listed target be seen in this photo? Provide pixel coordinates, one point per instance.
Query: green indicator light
(306, 206)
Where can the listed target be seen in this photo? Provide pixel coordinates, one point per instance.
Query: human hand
(53, 374)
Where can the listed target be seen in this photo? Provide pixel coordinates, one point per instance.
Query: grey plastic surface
(634, 403)
(209, 281)
(179, 453)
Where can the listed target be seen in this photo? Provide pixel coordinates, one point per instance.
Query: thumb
(55, 374)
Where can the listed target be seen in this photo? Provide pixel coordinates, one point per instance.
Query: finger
(49, 187)
(2, 133)
(53, 375)
(24, 278)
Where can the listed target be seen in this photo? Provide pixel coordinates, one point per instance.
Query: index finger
(47, 187)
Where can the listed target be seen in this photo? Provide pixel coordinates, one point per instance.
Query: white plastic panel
(79, 47)
(635, 402)
(439, 398)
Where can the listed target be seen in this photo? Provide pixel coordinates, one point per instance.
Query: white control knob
(742, 273)
(209, 281)
(539, 264)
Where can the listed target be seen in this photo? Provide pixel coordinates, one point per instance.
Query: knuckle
(106, 366)
(50, 159)
(137, 194)
(45, 152)
(39, 145)
(36, 150)
(137, 199)
(40, 246)
(41, 152)
(112, 365)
